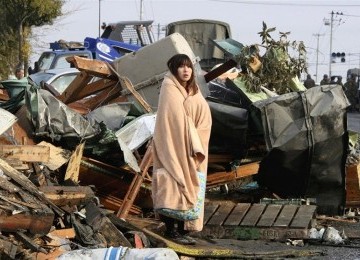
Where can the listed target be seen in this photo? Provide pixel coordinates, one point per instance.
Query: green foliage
(278, 66)
(17, 19)
(8, 54)
(31, 12)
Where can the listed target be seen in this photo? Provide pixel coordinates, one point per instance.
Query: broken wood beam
(36, 223)
(213, 74)
(126, 84)
(95, 87)
(73, 168)
(113, 203)
(241, 171)
(102, 224)
(26, 153)
(29, 243)
(96, 68)
(64, 233)
(26, 184)
(216, 158)
(103, 97)
(353, 185)
(68, 195)
(134, 188)
(112, 184)
(70, 93)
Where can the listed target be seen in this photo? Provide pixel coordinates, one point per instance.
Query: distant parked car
(60, 79)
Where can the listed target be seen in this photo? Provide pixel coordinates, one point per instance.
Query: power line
(284, 4)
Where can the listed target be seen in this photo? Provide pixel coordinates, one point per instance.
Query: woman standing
(180, 151)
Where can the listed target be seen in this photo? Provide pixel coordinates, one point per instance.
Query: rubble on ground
(76, 167)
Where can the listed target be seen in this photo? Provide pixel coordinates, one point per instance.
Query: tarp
(16, 91)
(229, 128)
(306, 139)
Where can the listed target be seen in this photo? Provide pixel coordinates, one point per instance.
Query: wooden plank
(103, 97)
(219, 217)
(95, 87)
(112, 184)
(353, 186)
(126, 84)
(29, 243)
(135, 185)
(216, 158)
(113, 236)
(70, 93)
(213, 74)
(237, 214)
(8, 186)
(26, 153)
(209, 210)
(96, 68)
(253, 215)
(37, 223)
(72, 171)
(114, 203)
(27, 185)
(303, 216)
(19, 203)
(286, 215)
(268, 217)
(215, 179)
(58, 156)
(79, 107)
(64, 233)
(68, 195)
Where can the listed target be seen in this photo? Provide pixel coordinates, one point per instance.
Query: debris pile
(75, 166)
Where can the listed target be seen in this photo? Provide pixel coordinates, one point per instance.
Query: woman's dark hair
(179, 60)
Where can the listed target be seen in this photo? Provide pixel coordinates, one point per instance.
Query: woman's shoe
(180, 239)
(190, 240)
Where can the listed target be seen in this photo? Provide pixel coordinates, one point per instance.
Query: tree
(8, 47)
(22, 15)
(279, 69)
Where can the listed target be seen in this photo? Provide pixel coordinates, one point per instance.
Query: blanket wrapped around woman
(180, 148)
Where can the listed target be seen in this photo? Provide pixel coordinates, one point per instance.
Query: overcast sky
(308, 21)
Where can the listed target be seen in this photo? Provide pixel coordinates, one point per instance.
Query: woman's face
(184, 73)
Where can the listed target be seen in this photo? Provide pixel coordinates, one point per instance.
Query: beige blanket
(178, 154)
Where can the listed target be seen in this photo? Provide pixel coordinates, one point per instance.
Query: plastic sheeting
(306, 138)
(117, 253)
(229, 128)
(53, 118)
(16, 91)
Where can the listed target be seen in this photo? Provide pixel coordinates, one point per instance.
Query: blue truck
(117, 40)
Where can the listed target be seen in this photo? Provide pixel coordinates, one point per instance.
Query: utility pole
(141, 9)
(317, 35)
(99, 16)
(331, 36)
(331, 32)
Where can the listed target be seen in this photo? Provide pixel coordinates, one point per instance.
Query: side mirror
(30, 71)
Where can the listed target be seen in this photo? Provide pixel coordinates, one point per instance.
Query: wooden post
(135, 184)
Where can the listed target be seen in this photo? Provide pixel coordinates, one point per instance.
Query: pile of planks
(50, 194)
